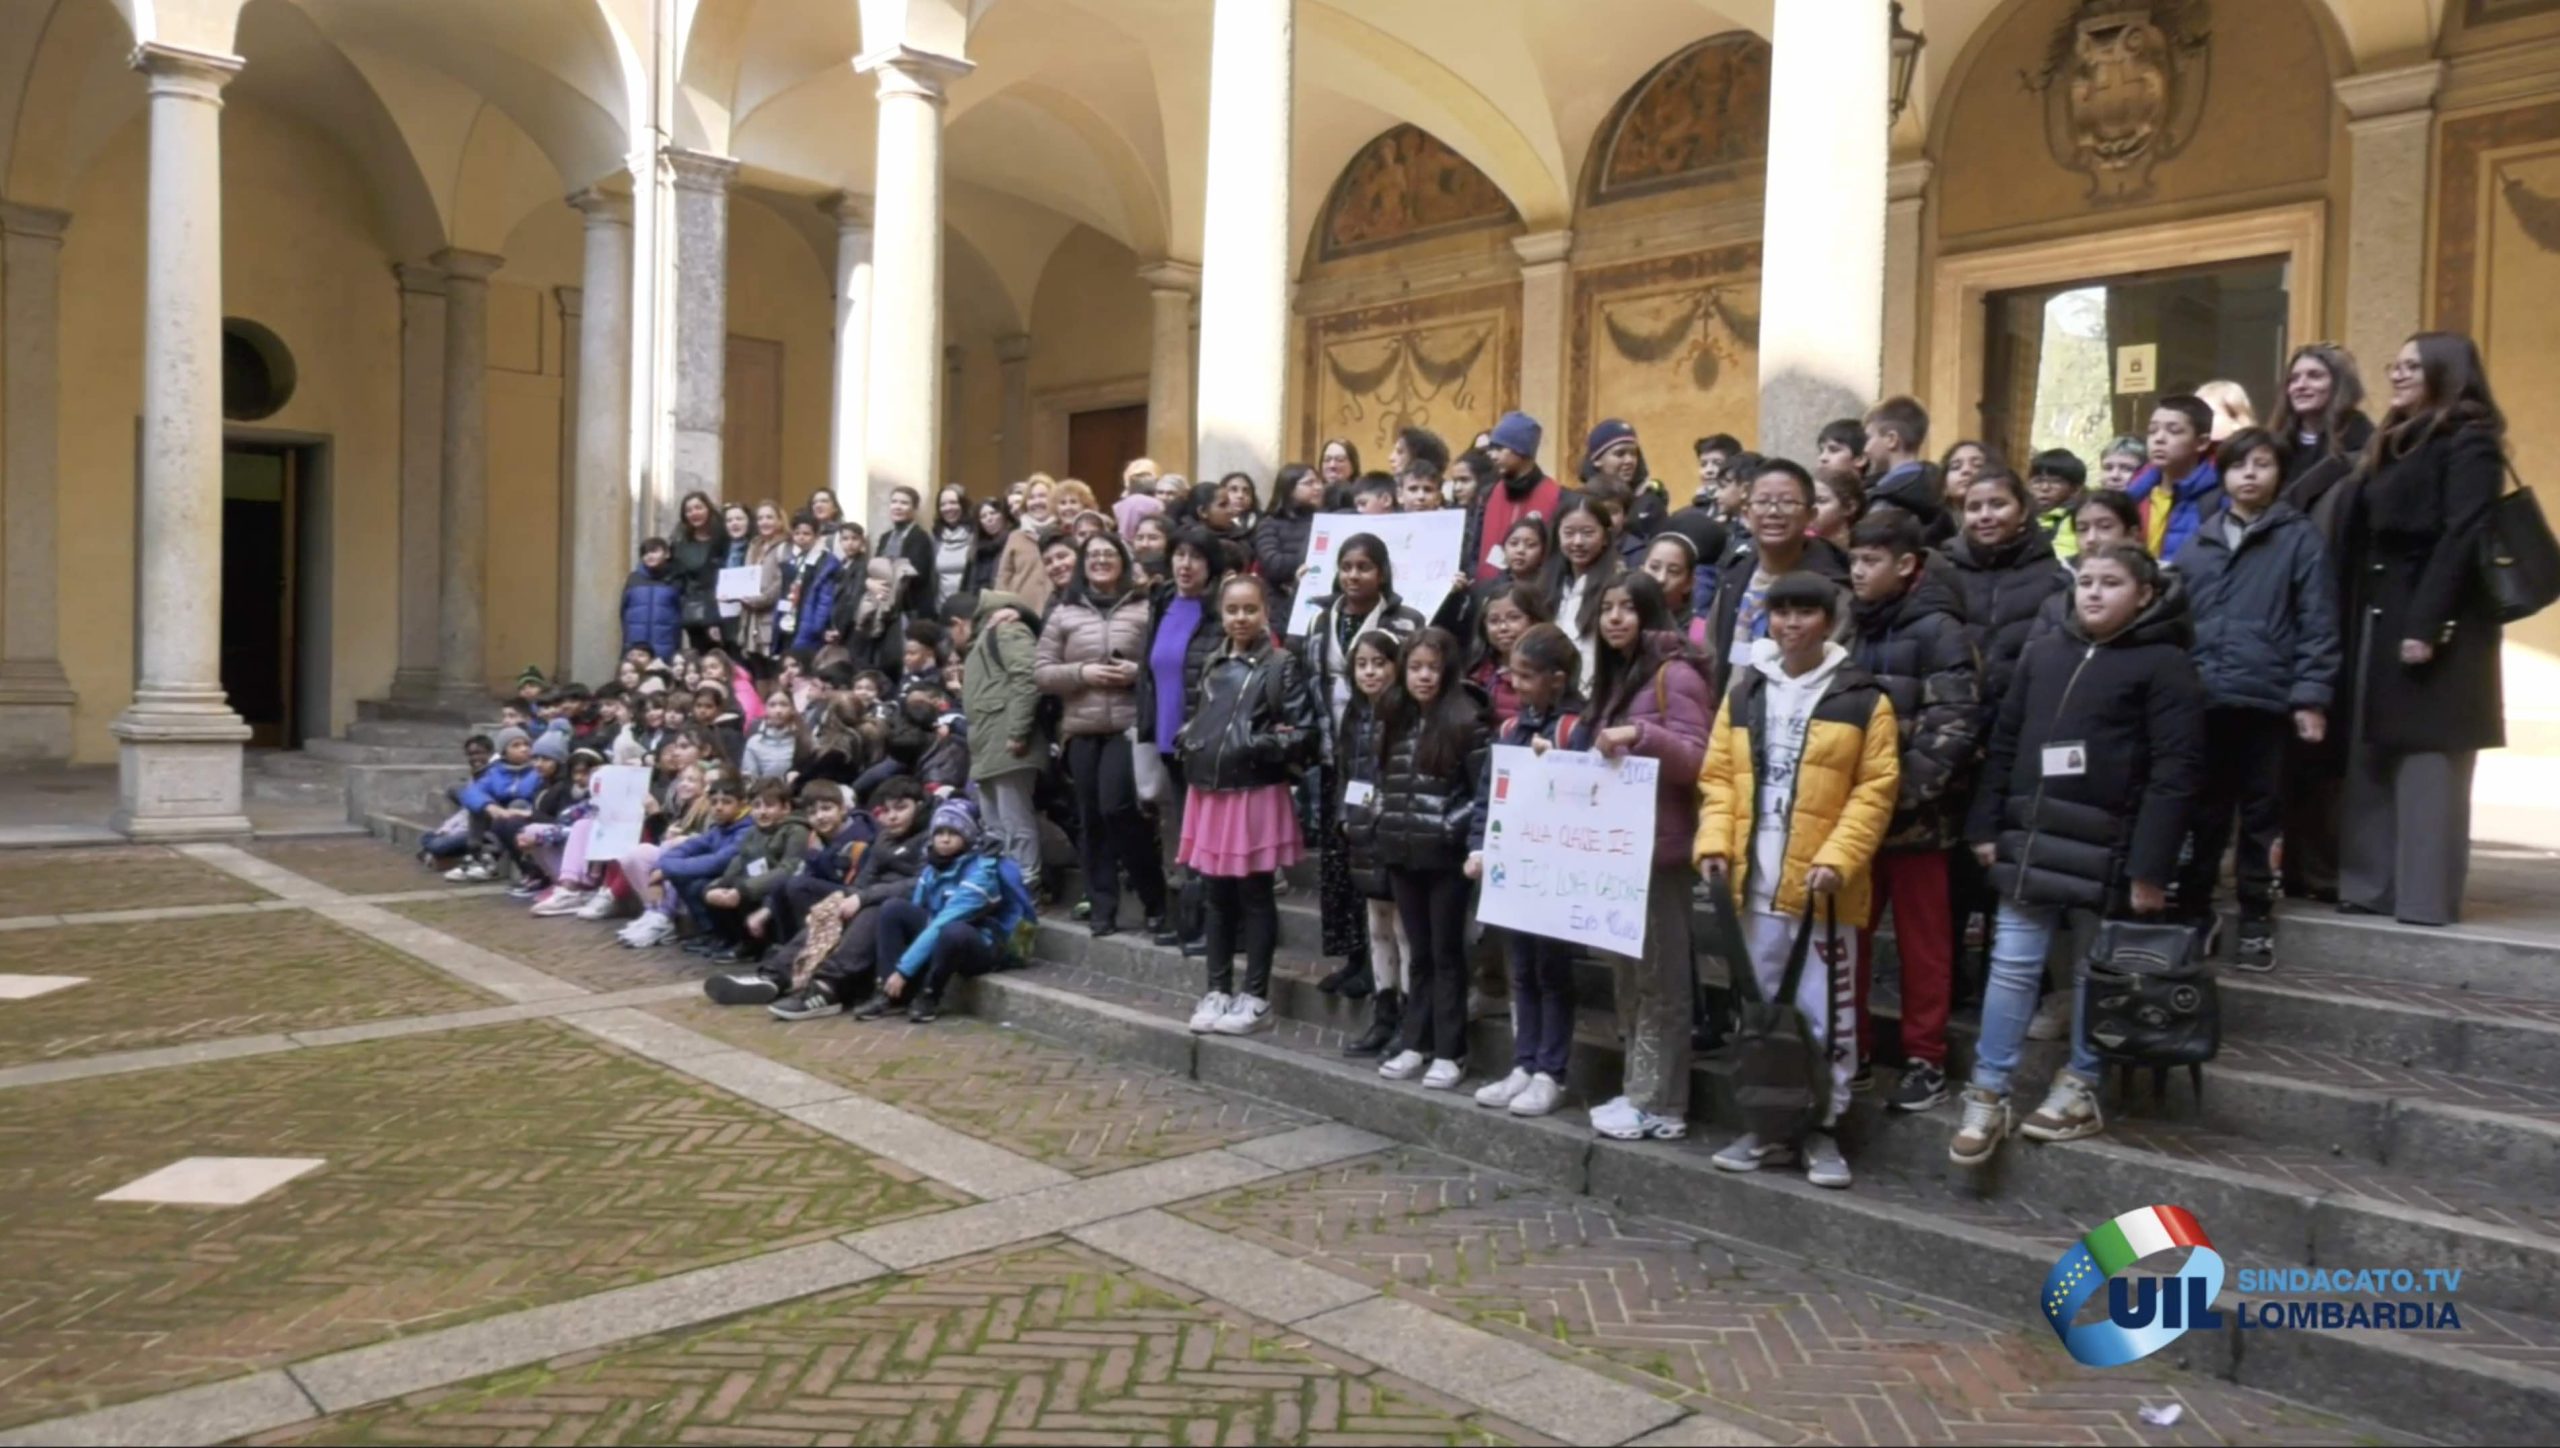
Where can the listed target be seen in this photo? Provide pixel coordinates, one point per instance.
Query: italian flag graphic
(2097, 1258)
(2139, 1233)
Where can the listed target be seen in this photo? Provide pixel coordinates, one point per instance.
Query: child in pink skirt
(1253, 730)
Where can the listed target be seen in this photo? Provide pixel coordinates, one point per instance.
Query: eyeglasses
(1777, 505)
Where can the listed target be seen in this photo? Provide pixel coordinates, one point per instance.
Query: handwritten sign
(1422, 548)
(1568, 846)
(621, 795)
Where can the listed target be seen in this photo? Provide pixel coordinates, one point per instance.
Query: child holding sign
(1800, 780)
(1544, 664)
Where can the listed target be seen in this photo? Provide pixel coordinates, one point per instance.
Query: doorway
(1102, 442)
(274, 616)
(2077, 364)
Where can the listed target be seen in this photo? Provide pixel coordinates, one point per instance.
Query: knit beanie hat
(959, 816)
(532, 675)
(1611, 432)
(1519, 432)
(553, 745)
(507, 736)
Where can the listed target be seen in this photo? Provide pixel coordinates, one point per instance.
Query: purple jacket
(1673, 712)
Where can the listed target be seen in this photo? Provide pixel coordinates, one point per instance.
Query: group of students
(1880, 683)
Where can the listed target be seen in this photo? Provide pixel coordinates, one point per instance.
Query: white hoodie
(1787, 702)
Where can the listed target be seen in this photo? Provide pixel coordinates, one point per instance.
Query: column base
(178, 770)
(35, 712)
(418, 685)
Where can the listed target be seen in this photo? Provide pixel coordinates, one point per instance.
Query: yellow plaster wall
(300, 255)
(780, 291)
(1091, 318)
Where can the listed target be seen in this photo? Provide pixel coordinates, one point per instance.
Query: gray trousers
(1653, 998)
(1014, 820)
(2405, 849)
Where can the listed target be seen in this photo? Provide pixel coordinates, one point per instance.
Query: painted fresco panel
(1672, 345)
(1449, 363)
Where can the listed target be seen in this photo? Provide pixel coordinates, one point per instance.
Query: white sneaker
(472, 872)
(2052, 1020)
(1505, 1091)
(1204, 1018)
(651, 929)
(1748, 1152)
(2070, 1112)
(599, 906)
(561, 900)
(1246, 1015)
(1403, 1065)
(1824, 1166)
(1625, 1121)
(1537, 1098)
(1442, 1076)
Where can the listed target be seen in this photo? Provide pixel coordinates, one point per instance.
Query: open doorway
(274, 595)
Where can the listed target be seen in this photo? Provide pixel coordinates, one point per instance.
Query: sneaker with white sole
(1204, 1017)
(562, 900)
(650, 930)
(809, 1003)
(2070, 1112)
(1824, 1166)
(472, 872)
(1505, 1091)
(1443, 1075)
(1922, 1086)
(2052, 1020)
(1623, 1120)
(1748, 1152)
(1403, 1065)
(1986, 1122)
(1540, 1097)
(1245, 1015)
(742, 988)
(599, 906)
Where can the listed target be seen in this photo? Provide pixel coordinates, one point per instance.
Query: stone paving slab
(1075, 1111)
(352, 864)
(1794, 1352)
(1052, 1345)
(61, 882)
(582, 951)
(467, 1174)
(179, 982)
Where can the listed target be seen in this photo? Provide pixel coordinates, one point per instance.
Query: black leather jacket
(1257, 722)
(1424, 820)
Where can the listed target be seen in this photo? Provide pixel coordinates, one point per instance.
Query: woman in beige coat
(1092, 650)
(1008, 557)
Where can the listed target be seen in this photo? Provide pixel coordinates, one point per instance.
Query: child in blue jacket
(687, 867)
(653, 604)
(960, 920)
(504, 790)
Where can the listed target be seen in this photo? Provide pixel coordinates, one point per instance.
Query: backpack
(1781, 1067)
(2148, 998)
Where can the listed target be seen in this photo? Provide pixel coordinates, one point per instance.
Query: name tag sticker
(2067, 760)
(1356, 793)
(754, 868)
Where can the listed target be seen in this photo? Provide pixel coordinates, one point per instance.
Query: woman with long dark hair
(1280, 539)
(955, 540)
(2422, 665)
(1364, 598)
(2320, 417)
(699, 551)
(1005, 557)
(1093, 651)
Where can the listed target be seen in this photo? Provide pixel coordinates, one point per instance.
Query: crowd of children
(1999, 705)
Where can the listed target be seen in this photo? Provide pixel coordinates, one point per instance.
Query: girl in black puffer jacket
(1256, 726)
(1433, 752)
(2005, 569)
(1374, 696)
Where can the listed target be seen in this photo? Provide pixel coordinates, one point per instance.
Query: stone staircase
(2389, 1097)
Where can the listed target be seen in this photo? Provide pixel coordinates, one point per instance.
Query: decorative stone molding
(909, 72)
(699, 170)
(194, 74)
(2385, 94)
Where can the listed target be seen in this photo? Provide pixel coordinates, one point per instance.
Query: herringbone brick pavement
(578, 950)
(1801, 1354)
(133, 877)
(1074, 1111)
(356, 864)
(1054, 1344)
(468, 1173)
(171, 982)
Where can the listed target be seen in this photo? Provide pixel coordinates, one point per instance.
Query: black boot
(1385, 1017)
(1335, 978)
(1359, 983)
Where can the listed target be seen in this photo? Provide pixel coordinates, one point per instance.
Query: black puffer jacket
(2003, 589)
(1733, 580)
(2266, 613)
(2134, 709)
(1357, 760)
(1279, 549)
(1923, 655)
(1424, 818)
(1206, 640)
(1257, 722)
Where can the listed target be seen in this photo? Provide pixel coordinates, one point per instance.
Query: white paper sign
(1568, 846)
(1423, 549)
(621, 795)
(737, 584)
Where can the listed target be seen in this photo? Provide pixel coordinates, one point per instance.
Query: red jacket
(1501, 510)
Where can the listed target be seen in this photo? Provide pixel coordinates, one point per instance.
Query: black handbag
(2519, 558)
(1781, 1065)
(2148, 997)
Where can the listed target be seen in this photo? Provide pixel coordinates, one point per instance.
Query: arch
(1699, 118)
(1142, 201)
(738, 54)
(1406, 185)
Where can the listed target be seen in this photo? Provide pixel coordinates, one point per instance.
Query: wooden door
(751, 434)
(1101, 442)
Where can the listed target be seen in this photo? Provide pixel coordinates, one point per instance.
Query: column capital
(1543, 248)
(907, 71)
(1013, 347)
(1907, 180)
(1169, 275)
(852, 210)
(602, 207)
(700, 170)
(459, 265)
(36, 223)
(2379, 95)
(418, 278)
(175, 70)
(572, 300)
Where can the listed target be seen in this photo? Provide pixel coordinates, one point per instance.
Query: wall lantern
(1906, 61)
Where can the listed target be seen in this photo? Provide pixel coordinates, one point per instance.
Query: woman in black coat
(700, 549)
(1280, 539)
(2422, 651)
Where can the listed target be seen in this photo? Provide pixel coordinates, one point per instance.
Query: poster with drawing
(1422, 548)
(1568, 846)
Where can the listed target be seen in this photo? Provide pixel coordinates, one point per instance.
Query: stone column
(600, 511)
(902, 421)
(36, 699)
(1905, 187)
(955, 368)
(2388, 122)
(414, 675)
(1013, 371)
(178, 743)
(1171, 285)
(1247, 257)
(1545, 276)
(701, 395)
(853, 345)
(462, 669)
(1822, 280)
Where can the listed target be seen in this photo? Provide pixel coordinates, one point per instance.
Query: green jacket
(780, 849)
(998, 693)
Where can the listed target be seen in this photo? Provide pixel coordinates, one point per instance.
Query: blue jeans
(2019, 944)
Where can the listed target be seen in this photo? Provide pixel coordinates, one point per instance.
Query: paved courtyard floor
(299, 1144)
